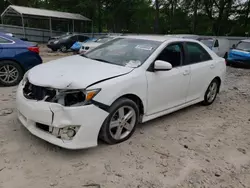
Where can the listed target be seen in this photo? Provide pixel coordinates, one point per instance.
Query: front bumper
(90, 118)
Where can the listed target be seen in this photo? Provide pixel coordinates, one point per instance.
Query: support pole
(50, 26)
(2, 19)
(24, 35)
(92, 28)
(73, 26)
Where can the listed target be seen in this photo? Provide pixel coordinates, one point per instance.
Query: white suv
(71, 102)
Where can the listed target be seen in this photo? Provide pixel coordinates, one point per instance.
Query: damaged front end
(68, 98)
(59, 103)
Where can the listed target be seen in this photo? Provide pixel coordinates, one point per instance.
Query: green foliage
(209, 17)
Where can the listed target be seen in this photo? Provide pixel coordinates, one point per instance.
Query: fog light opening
(71, 133)
(68, 133)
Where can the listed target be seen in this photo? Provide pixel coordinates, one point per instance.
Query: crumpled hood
(74, 72)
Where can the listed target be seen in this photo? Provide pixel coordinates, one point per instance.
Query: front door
(168, 89)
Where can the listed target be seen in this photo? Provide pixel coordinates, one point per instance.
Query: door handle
(186, 72)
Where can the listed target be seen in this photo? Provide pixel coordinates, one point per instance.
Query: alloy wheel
(212, 92)
(122, 122)
(8, 74)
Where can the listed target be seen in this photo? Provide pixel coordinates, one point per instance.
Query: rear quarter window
(4, 41)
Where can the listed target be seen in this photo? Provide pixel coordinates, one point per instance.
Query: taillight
(34, 49)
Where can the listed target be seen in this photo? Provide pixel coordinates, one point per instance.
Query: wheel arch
(14, 60)
(219, 80)
(135, 99)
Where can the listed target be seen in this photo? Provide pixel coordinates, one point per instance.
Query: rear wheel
(11, 73)
(121, 122)
(211, 92)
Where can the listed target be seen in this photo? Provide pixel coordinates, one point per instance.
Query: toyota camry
(105, 93)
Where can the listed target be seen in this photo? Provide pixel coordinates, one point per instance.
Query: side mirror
(234, 46)
(162, 66)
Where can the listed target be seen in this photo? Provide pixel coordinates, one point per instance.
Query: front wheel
(211, 92)
(121, 122)
(10, 73)
(63, 49)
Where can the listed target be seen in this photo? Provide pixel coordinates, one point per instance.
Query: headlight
(75, 97)
(55, 42)
(86, 48)
(25, 78)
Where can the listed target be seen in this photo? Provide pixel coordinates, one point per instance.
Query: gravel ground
(198, 147)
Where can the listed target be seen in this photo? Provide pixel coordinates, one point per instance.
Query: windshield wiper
(83, 55)
(102, 60)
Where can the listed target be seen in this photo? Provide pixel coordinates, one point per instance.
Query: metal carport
(23, 12)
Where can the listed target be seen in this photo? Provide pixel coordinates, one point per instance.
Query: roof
(246, 40)
(159, 38)
(45, 13)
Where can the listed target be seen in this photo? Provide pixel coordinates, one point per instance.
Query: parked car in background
(240, 54)
(220, 46)
(106, 92)
(185, 36)
(65, 42)
(57, 37)
(16, 57)
(77, 45)
(91, 45)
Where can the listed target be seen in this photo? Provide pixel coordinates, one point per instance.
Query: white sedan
(93, 44)
(73, 101)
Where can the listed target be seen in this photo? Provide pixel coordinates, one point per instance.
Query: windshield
(245, 46)
(124, 52)
(208, 42)
(103, 40)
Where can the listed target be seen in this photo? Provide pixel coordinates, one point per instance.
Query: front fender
(113, 89)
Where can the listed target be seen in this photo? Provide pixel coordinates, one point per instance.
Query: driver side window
(173, 54)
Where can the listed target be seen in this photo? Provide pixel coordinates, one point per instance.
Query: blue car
(77, 45)
(239, 55)
(16, 57)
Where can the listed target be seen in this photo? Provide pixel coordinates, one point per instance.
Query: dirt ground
(198, 147)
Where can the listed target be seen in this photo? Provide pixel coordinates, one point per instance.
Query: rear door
(201, 66)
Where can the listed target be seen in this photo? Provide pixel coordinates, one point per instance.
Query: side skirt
(168, 111)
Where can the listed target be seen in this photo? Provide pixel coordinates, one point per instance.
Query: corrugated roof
(47, 13)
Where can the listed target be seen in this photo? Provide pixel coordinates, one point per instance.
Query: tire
(211, 93)
(54, 49)
(8, 79)
(111, 135)
(63, 49)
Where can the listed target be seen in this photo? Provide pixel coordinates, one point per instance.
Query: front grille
(34, 92)
(42, 127)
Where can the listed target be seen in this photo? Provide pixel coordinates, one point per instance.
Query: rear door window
(196, 53)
